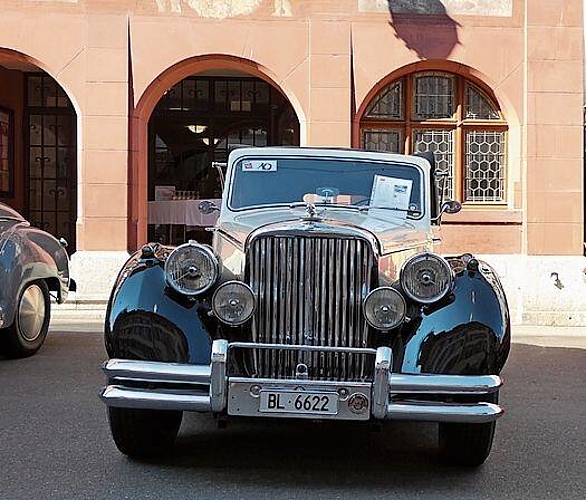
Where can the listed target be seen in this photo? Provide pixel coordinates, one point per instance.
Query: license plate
(314, 403)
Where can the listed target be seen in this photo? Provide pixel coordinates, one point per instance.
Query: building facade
(108, 108)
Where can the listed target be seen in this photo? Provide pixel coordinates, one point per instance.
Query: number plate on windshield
(315, 403)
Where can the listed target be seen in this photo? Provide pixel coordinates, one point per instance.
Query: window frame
(458, 123)
(10, 156)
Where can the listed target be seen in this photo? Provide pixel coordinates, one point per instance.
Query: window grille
(389, 103)
(441, 143)
(390, 141)
(433, 97)
(478, 106)
(484, 166)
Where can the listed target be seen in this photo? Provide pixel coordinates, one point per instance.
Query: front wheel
(467, 444)
(31, 322)
(144, 433)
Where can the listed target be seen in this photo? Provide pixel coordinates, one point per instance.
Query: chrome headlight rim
(244, 286)
(209, 253)
(439, 259)
(376, 291)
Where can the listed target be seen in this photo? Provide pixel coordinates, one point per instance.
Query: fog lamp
(233, 303)
(384, 308)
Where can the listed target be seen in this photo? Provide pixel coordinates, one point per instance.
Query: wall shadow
(425, 27)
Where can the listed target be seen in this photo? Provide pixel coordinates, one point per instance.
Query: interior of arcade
(195, 124)
(38, 148)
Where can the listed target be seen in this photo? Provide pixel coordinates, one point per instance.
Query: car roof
(8, 213)
(329, 152)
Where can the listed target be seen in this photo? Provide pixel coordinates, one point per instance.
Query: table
(181, 212)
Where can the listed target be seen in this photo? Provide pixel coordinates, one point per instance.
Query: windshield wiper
(366, 208)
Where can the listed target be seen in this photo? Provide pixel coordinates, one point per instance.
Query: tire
(144, 433)
(31, 321)
(466, 444)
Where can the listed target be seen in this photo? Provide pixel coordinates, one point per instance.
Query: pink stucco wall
(116, 58)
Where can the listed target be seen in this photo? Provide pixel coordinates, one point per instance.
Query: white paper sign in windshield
(390, 192)
(259, 166)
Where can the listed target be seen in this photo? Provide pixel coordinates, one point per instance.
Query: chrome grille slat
(310, 292)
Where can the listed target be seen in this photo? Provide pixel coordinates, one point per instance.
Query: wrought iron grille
(485, 161)
(389, 103)
(309, 292)
(390, 141)
(433, 97)
(441, 143)
(52, 162)
(478, 106)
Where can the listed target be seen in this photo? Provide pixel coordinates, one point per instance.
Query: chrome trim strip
(229, 237)
(474, 413)
(156, 371)
(380, 388)
(289, 347)
(290, 384)
(127, 397)
(218, 381)
(444, 384)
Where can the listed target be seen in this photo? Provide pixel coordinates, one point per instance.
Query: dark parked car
(320, 298)
(33, 264)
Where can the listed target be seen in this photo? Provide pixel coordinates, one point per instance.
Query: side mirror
(218, 167)
(207, 207)
(450, 207)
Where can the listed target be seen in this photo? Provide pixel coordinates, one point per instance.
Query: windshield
(358, 184)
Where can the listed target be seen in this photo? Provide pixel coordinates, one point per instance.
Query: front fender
(466, 333)
(146, 320)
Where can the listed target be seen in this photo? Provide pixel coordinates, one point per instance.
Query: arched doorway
(38, 156)
(194, 124)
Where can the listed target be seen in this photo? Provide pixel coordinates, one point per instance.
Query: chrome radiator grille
(310, 292)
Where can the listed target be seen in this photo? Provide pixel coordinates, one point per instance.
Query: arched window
(451, 116)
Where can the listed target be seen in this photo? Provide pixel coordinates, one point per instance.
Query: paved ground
(55, 444)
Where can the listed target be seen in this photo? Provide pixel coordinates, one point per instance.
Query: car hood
(388, 233)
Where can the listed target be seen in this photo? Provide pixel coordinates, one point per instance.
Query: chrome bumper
(392, 396)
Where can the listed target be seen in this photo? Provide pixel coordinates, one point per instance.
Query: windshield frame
(231, 184)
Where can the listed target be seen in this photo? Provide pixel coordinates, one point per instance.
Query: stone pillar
(103, 154)
(329, 120)
(554, 121)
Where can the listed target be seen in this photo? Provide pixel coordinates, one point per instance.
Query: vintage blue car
(320, 298)
(33, 264)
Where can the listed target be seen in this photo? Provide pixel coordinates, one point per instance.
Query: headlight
(426, 278)
(192, 268)
(384, 308)
(233, 302)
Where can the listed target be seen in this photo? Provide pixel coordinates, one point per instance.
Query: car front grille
(310, 292)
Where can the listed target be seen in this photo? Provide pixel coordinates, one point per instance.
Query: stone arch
(477, 77)
(55, 219)
(140, 115)
(514, 159)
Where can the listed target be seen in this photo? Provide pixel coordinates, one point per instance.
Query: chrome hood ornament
(310, 210)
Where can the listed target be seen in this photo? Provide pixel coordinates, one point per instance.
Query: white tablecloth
(181, 212)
